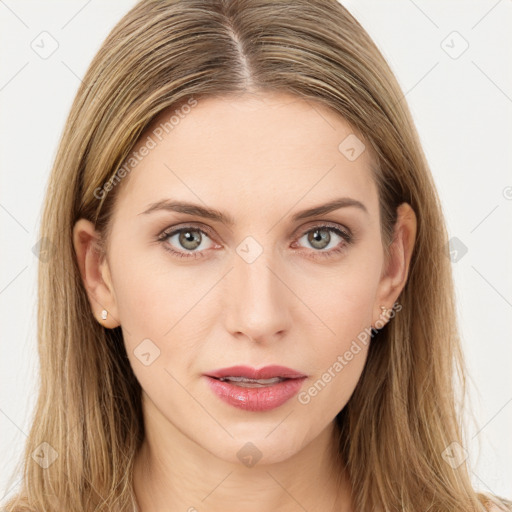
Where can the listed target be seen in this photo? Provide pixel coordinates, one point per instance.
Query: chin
(258, 446)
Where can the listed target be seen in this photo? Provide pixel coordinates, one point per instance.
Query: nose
(257, 300)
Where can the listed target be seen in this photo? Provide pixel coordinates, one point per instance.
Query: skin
(260, 158)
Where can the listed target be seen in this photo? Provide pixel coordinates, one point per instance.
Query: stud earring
(385, 310)
(104, 314)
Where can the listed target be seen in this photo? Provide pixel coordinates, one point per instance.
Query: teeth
(252, 383)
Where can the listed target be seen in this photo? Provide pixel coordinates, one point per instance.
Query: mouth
(261, 374)
(255, 390)
(245, 382)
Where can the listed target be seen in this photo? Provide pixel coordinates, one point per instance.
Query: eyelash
(347, 237)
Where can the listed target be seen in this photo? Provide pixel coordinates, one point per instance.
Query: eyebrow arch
(216, 215)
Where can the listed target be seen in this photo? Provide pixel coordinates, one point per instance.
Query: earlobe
(95, 273)
(396, 268)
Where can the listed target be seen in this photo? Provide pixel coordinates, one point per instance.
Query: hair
(405, 410)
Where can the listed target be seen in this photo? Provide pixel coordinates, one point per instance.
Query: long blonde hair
(404, 412)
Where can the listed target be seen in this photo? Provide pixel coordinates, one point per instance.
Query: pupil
(188, 237)
(319, 236)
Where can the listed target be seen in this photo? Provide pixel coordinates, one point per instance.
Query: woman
(251, 306)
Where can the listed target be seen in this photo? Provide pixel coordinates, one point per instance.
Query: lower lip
(262, 398)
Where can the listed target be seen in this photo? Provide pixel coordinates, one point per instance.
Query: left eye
(320, 237)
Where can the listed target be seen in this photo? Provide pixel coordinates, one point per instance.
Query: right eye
(187, 240)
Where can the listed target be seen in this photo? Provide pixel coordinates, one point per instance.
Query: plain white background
(453, 61)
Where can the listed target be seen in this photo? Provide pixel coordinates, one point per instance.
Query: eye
(320, 238)
(187, 239)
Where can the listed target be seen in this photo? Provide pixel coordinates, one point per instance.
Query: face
(262, 285)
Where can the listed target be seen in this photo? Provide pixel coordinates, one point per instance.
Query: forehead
(265, 146)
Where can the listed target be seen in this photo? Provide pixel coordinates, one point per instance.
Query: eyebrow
(224, 218)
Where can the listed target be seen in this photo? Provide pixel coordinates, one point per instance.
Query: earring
(385, 310)
(104, 314)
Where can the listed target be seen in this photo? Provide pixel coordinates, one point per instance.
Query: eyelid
(324, 224)
(183, 226)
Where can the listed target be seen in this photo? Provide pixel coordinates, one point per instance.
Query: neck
(173, 473)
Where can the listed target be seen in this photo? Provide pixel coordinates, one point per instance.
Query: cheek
(338, 359)
(151, 293)
(328, 393)
(163, 311)
(346, 308)
(347, 299)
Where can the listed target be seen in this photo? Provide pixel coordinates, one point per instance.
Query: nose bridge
(256, 303)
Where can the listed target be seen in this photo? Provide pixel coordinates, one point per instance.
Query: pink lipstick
(255, 390)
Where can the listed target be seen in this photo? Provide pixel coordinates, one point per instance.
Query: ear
(396, 268)
(95, 272)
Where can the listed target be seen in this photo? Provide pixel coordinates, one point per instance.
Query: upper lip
(267, 372)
